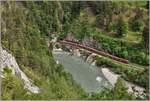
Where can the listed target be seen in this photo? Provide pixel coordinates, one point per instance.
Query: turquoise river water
(88, 76)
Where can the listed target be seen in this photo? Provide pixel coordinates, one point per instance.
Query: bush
(119, 92)
(12, 88)
(136, 24)
(121, 27)
(7, 70)
(131, 74)
(112, 27)
(122, 49)
(125, 54)
(140, 57)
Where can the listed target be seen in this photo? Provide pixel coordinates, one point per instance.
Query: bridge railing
(77, 44)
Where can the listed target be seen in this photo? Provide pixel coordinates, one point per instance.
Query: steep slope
(8, 61)
(27, 25)
(24, 27)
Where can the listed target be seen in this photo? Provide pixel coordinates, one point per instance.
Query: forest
(120, 28)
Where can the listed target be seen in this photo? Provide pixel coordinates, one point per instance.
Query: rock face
(93, 63)
(90, 58)
(76, 52)
(7, 60)
(112, 78)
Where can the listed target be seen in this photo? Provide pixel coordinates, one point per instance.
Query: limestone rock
(7, 60)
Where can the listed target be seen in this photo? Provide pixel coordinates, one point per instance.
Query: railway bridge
(98, 52)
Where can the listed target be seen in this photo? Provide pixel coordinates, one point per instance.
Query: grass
(130, 65)
(129, 72)
(134, 37)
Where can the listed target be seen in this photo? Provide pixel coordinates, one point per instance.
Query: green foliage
(25, 25)
(121, 27)
(12, 88)
(122, 49)
(135, 24)
(146, 36)
(140, 58)
(7, 70)
(81, 27)
(62, 36)
(28, 44)
(103, 11)
(119, 92)
(112, 27)
(128, 72)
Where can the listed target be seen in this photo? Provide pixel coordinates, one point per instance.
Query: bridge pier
(76, 52)
(91, 58)
(98, 52)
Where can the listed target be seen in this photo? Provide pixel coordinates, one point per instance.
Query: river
(89, 77)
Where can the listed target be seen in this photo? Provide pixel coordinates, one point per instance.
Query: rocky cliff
(8, 60)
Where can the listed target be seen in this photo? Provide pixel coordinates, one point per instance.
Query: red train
(77, 44)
